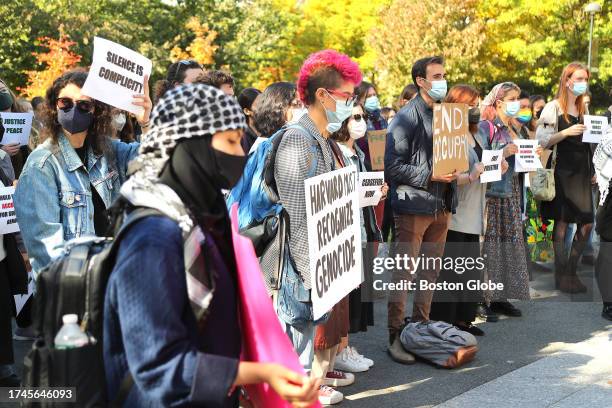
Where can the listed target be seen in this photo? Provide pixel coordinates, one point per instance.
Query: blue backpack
(259, 209)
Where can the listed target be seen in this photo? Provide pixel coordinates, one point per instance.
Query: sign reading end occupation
(17, 127)
(450, 130)
(116, 74)
(334, 237)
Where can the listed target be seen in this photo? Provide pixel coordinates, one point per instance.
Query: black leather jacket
(408, 164)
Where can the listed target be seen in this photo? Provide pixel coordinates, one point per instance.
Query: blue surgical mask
(512, 108)
(335, 119)
(579, 88)
(372, 103)
(438, 90)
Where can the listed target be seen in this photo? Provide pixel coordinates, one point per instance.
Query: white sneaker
(329, 396)
(361, 357)
(337, 378)
(345, 361)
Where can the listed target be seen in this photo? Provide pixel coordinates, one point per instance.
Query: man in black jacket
(422, 204)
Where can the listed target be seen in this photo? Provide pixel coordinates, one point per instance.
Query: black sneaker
(505, 308)
(485, 312)
(10, 381)
(476, 331)
(606, 313)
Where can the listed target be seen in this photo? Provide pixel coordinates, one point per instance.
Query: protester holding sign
(17, 152)
(504, 242)
(361, 313)
(466, 225)
(561, 127)
(326, 84)
(71, 179)
(421, 203)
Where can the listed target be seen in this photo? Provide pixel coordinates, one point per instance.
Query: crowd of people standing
(188, 148)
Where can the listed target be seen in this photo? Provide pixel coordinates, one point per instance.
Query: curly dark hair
(98, 132)
(215, 78)
(270, 108)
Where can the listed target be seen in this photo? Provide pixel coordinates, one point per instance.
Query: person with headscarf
(171, 306)
(602, 161)
(504, 246)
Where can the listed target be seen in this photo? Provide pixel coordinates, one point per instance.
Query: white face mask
(297, 113)
(119, 120)
(357, 129)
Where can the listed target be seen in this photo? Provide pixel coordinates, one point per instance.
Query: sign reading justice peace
(450, 132)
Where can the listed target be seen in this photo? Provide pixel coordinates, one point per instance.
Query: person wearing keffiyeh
(171, 307)
(602, 161)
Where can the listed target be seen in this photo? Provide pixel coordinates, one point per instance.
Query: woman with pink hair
(326, 86)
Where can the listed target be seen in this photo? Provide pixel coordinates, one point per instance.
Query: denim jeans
(302, 339)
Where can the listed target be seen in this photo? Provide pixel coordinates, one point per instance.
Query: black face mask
(6, 101)
(229, 168)
(473, 116)
(74, 120)
(1, 130)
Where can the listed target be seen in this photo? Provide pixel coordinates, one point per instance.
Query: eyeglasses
(358, 117)
(350, 98)
(185, 62)
(82, 105)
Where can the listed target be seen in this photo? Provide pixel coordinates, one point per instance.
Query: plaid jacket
(290, 170)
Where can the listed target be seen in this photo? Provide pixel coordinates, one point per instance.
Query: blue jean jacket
(497, 141)
(53, 199)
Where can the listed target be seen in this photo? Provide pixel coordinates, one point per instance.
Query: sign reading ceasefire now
(450, 132)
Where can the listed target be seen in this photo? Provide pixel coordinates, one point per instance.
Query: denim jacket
(53, 199)
(497, 141)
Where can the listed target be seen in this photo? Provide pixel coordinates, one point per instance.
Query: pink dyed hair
(341, 63)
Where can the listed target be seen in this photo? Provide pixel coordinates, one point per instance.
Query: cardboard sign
(450, 131)
(491, 159)
(17, 127)
(596, 126)
(116, 75)
(370, 184)
(376, 145)
(334, 237)
(8, 219)
(526, 159)
(263, 339)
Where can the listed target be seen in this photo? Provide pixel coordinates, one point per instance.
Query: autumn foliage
(54, 62)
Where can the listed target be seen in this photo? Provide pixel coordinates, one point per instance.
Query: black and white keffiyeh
(186, 112)
(602, 161)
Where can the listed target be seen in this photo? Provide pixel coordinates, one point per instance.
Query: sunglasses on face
(357, 117)
(349, 99)
(82, 105)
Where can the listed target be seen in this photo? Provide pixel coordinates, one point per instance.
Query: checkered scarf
(602, 161)
(188, 111)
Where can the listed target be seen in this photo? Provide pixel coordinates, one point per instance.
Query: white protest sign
(116, 74)
(596, 126)
(8, 219)
(491, 159)
(20, 300)
(370, 184)
(526, 159)
(17, 127)
(334, 237)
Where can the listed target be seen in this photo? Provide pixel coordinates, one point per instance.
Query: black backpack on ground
(75, 283)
